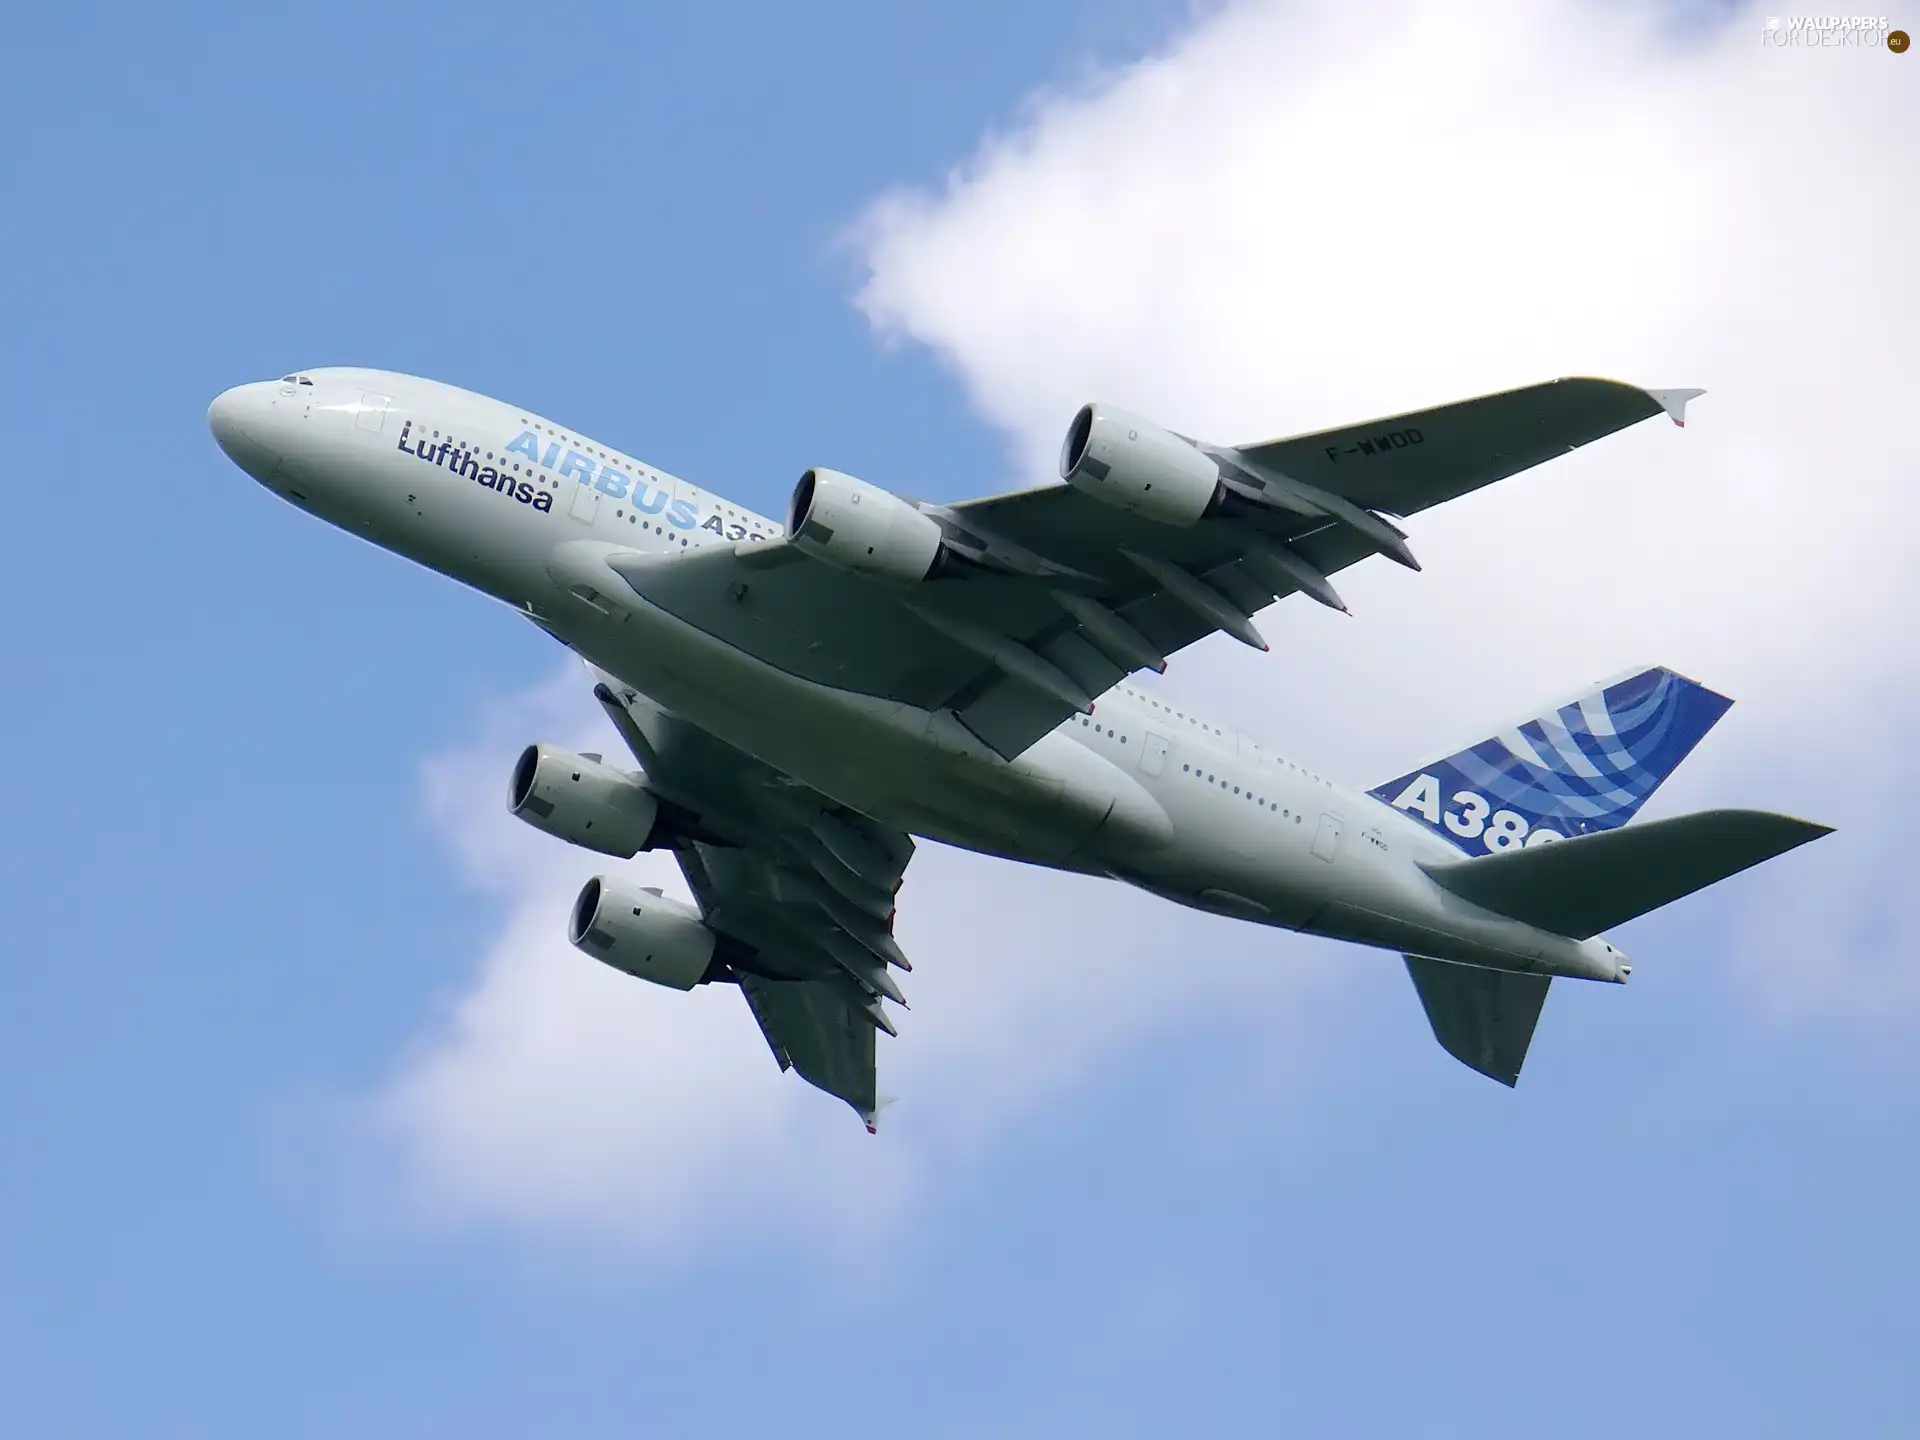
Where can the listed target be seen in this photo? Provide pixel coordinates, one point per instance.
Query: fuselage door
(371, 413)
(1326, 843)
(585, 506)
(1153, 755)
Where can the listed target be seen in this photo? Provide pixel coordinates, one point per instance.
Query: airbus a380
(804, 698)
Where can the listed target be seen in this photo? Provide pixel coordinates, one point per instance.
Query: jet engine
(1135, 465)
(583, 801)
(860, 527)
(642, 933)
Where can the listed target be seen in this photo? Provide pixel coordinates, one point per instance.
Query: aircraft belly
(892, 761)
(1395, 907)
(1204, 867)
(1021, 814)
(1344, 920)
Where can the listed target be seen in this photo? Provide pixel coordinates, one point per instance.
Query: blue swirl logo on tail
(1584, 765)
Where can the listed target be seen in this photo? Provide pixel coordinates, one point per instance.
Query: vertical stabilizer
(1586, 764)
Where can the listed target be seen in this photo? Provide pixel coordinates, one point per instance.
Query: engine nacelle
(1135, 465)
(860, 527)
(644, 934)
(583, 801)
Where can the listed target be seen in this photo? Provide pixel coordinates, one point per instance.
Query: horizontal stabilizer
(1582, 886)
(1483, 1018)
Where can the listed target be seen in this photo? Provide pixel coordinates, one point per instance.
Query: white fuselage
(1143, 790)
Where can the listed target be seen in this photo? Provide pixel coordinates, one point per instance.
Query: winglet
(871, 1118)
(1674, 402)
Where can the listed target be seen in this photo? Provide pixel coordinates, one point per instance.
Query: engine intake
(1135, 465)
(582, 800)
(643, 934)
(855, 526)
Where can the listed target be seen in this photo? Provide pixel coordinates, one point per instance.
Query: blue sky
(240, 911)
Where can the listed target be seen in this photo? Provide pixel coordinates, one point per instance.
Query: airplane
(804, 698)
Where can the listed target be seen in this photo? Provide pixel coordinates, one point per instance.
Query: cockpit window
(287, 379)
(304, 380)
(296, 380)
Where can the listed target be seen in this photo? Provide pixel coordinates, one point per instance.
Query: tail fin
(1595, 882)
(1585, 764)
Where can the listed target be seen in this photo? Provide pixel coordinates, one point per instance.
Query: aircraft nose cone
(229, 417)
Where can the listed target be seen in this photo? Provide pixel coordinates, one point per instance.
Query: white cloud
(1293, 217)
(1305, 215)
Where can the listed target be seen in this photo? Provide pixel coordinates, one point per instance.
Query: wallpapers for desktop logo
(1832, 32)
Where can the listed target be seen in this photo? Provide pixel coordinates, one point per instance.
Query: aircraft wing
(1408, 463)
(803, 886)
(1073, 594)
